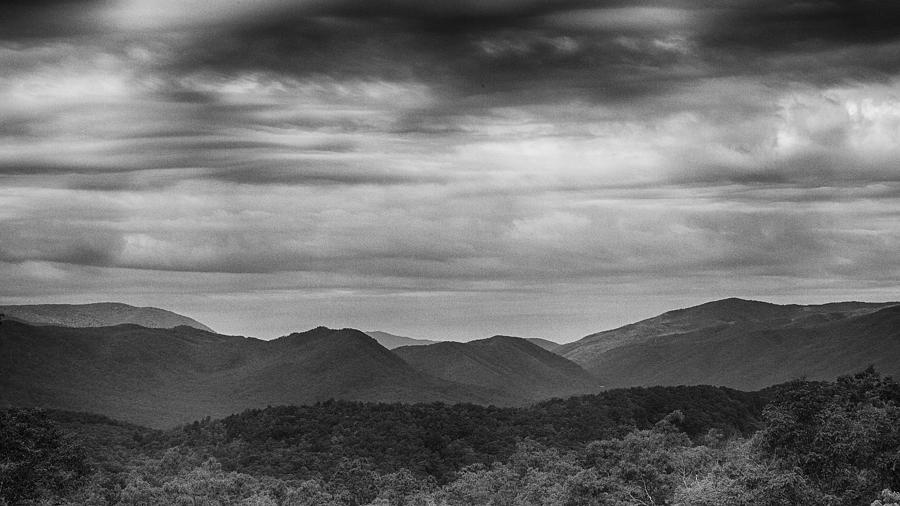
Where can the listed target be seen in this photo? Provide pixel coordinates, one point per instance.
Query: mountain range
(744, 344)
(84, 358)
(163, 377)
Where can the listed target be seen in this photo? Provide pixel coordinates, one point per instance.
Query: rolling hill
(391, 341)
(163, 377)
(102, 314)
(511, 364)
(744, 344)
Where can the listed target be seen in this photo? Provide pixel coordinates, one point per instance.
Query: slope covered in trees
(163, 377)
(516, 366)
(744, 344)
(833, 444)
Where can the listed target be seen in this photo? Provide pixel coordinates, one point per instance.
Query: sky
(448, 169)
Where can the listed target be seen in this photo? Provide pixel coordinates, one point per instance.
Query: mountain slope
(543, 343)
(162, 377)
(391, 341)
(514, 365)
(102, 314)
(745, 344)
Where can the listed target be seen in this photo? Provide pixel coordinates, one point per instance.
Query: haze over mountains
(102, 314)
(391, 341)
(164, 376)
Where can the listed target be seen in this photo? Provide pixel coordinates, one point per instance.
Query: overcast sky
(448, 168)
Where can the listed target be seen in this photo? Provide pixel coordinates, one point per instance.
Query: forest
(798, 443)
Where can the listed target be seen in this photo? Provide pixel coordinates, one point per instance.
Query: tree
(35, 459)
(843, 437)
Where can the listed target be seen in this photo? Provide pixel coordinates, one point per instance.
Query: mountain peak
(322, 332)
(732, 304)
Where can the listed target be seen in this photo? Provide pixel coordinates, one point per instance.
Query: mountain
(511, 364)
(543, 343)
(163, 377)
(103, 314)
(391, 341)
(745, 344)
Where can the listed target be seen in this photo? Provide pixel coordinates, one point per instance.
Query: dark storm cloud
(773, 25)
(501, 63)
(31, 20)
(532, 52)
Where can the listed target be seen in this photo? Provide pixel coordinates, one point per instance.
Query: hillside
(511, 364)
(102, 314)
(812, 443)
(162, 377)
(543, 343)
(745, 344)
(391, 341)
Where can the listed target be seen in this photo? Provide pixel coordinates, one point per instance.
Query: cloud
(351, 152)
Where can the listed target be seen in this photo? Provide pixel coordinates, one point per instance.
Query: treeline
(814, 443)
(437, 439)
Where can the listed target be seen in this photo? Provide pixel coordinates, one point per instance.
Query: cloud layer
(448, 169)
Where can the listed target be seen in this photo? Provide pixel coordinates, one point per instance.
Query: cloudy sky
(448, 168)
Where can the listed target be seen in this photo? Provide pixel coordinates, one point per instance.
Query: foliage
(887, 498)
(36, 459)
(438, 440)
(822, 443)
(844, 436)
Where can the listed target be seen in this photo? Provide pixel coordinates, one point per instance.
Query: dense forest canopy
(798, 443)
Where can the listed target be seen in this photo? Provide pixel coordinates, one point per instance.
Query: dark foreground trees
(843, 437)
(819, 444)
(36, 459)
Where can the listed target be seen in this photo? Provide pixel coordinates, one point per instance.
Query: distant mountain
(543, 343)
(103, 314)
(391, 341)
(162, 377)
(514, 365)
(744, 344)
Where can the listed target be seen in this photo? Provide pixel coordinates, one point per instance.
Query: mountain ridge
(163, 377)
(98, 314)
(510, 363)
(744, 344)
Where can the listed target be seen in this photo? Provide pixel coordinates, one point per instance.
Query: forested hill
(438, 439)
(744, 344)
(831, 443)
(164, 377)
(515, 365)
(432, 439)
